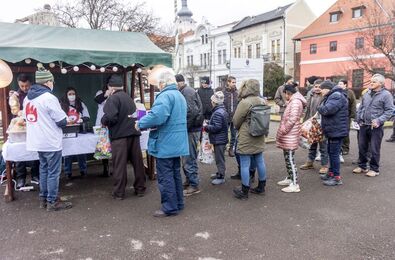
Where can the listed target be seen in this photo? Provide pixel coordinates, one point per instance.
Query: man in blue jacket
(376, 108)
(334, 122)
(168, 139)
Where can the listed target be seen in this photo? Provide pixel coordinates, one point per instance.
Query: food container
(71, 131)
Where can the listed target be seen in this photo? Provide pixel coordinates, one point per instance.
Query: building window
(313, 48)
(378, 41)
(278, 50)
(224, 56)
(205, 60)
(357, 78)
(258, 50)
(333, 46)
(201, 60)
(357, 12)
(235, 52)
(334, 17)
(359, 43)
(206, 38)
(379, 71)
(202, 39)
(239, 52)
(249, 51)
(191, 60)
(219, 57)
(188, 61)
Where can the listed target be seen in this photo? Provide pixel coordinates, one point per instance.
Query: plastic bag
(311, 132)
(103, 146)
(206, 150)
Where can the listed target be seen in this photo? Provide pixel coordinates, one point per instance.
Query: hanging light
(5, 74)
(63, 71)
(102, 69)
(139, 70)
(40, 65)
(28, 61)
(92, 67)
(52, 65)
(75, 68)
(115, 69)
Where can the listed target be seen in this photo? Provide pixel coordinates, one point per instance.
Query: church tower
(184, 21)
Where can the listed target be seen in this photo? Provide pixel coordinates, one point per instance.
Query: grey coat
(375, 106)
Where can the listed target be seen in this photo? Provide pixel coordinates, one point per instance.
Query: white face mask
(71, 98)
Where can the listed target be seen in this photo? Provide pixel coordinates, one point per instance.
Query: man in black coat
(205, 92)
(194, 125)
(119, 117)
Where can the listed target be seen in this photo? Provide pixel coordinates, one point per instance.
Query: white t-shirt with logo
(42, 133)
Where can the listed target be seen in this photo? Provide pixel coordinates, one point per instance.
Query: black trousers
(124, 150)
(370, 138)
(21, 171)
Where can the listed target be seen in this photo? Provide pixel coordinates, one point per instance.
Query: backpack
(259, 120)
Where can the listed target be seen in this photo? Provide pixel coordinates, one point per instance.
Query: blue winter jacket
(334, 112)
(218, 126)
(168, 120)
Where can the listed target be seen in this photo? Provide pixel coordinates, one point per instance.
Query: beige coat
(248, 96)
(288, 133)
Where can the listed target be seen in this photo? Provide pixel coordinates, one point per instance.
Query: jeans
(68, 161)
(21, 171)
(370, 139)
(334, 149)
(289, 156)
(50, 168)
(323, 150)
(245, 166)
(233, 132)
(170, 185)
(219, 154)
(189, 163)
(237, 155)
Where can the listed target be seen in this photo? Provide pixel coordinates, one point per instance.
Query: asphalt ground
(352, 221)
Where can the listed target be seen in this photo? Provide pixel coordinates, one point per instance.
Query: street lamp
(265, 58)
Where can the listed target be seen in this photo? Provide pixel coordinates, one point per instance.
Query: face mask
(71, 98)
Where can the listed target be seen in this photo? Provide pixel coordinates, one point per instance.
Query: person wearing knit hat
(217, 129)
(180, 78)
(44, 122)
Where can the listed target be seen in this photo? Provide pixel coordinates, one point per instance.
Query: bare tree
(164, 37)
(191, 73)
(374, 50)
(107, 14)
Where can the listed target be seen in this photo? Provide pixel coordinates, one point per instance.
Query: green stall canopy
(76, 46)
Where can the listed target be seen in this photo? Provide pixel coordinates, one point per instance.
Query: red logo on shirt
(73, 115)
(31, 113)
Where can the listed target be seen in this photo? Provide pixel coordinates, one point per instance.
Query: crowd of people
(176, 120)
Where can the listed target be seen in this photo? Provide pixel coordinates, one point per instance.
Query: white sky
(217, 12)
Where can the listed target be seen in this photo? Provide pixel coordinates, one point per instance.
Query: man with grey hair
(376, 108)
(125, 139)
(168, 138)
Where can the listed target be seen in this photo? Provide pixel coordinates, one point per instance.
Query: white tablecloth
(83, 144)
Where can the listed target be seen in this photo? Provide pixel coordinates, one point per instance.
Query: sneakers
(291, 188)
(20, 183)
(359, 170)
(287, 181)
(390, 140)
(35, 180)
(323, 170)
(307, 166)
(372, 173)
(333, 181)
(190, 191)
(231, 153)
(214, 176)
(59, 205)
(327, 176)
(341, 158)
(318, 157)
(218, 181)
(43, 203)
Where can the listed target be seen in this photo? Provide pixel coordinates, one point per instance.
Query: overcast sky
(217, 12)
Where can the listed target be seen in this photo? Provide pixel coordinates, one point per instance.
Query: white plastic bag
(206, 150)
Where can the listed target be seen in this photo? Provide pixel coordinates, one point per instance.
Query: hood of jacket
(37, 90)
(248, 89)
(299, 96)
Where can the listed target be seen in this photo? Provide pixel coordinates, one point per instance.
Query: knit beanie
(205, 80)
(180, 78)
(43, 76)
(218, 97)
(115, 81)
(326, 84)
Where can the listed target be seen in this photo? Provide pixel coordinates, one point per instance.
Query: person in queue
(168, 138)
(24, 84)
(205, 93)
(44, 121)
(77, 113)
(125, 139)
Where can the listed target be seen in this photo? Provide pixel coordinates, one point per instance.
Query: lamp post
(5, 80)
(265, 58)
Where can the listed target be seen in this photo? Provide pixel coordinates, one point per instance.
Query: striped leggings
(289, 156)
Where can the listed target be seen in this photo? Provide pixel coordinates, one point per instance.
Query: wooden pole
(141, 87)
(133, 83)
(9, 191)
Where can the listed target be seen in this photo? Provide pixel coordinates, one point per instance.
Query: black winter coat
(205, 96)
(194, 109)
(118, 112)
(334, 112)
(230, 101)
(218, 126)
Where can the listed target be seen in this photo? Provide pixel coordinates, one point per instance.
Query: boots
(241, 193)
(237, 175)
(260, 189)
(252, 175)
(308, 165)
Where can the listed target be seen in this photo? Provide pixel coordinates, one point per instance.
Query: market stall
(79, 57)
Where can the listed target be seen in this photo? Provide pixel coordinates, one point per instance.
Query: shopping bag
(103, 146)
(311, 132)
(206, 150)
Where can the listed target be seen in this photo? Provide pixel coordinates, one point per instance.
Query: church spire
(184, 12)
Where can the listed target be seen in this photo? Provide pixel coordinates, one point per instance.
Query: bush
(274, 77)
